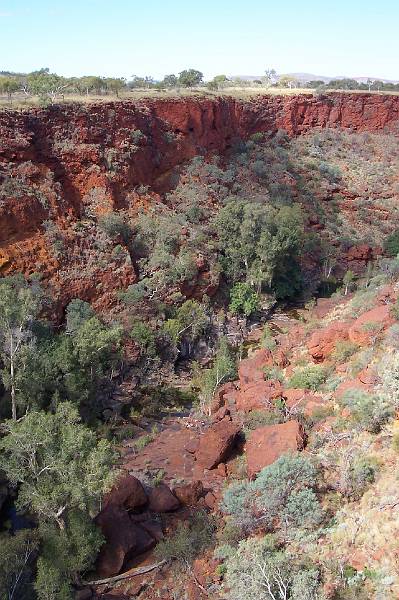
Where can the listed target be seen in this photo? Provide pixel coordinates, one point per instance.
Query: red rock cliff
(55, 162)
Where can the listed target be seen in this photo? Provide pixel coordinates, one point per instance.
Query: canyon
(60, 161)
(306, 378)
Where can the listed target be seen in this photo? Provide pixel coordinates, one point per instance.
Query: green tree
(9, 85)
(57, 462)
(77, 312)
(43, 83)
(190, 77)
(170, 81)
(65, 554)
(243, 299)
(222, 370)
(115, 84)
(190, 322)
(17, 556)
(20, 303)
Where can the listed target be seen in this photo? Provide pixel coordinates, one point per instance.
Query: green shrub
(391, 243)
(343, 350)
(282, 492)
(243, 299)
(188, 541)
(260, 418)
(361, 475)
(368, 411)
(273, 373)
(395, 310)
(310, 377)
(145, 338)
(267, 340)
(259, 569)
(114, 225)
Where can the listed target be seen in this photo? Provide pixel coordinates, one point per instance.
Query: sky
(121, 38)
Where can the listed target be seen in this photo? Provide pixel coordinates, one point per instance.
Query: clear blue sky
(155, 37)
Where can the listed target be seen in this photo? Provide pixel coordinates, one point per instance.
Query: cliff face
(63, 162)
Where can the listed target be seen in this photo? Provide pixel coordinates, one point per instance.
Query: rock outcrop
(267, 444)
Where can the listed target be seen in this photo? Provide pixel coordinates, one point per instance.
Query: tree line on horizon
(50, 86)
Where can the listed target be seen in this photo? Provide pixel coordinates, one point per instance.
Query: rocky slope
(65, 163)
(257, 419)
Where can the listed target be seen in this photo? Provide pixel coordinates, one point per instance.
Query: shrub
(391, 243)
(243, 299)
(368, 411)
(273, 373)
(276, 495)
(310, 377)
(189, 540)
(114, 225)
(302, 509)
(395, 310)
(361, 475)
(145, 338)
(267, 340)
(343, 350)
(259, 569)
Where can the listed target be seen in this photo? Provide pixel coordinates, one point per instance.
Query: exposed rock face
(250, 370)
(73, 158)
(370, 324)
(259, 395)
(216, 443)
(267, 444)
(323, 341)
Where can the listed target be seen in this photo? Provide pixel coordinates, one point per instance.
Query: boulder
(370, 324)
(162, 500)
(323, 341)
(223, 393)
(297, 399)
(259, 395)
(153, 528)
(128, 493)
(122, 538)
(250, 370)
(189, 494)
(216, 443)
(267, 444)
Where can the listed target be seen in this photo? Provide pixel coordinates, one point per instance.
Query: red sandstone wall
(65, 152)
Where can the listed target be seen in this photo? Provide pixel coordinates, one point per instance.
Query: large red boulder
(323, 341)
(370, 324)
(216, 443)
(250, 370)
(189, 494)
(122, 538)
(162, 500)
(267, 444)
(128, 493)
(259, 395)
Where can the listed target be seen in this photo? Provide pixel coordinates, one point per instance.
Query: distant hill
(304, 77)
